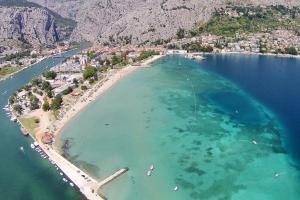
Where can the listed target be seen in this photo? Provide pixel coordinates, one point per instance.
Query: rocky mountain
(140, 20)
(32, 23)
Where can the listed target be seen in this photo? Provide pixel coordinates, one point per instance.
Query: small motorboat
(32, 146)
(65, 180)
(152, 167)
(175, 188)
(13, 119)
(22, 149)
(149, 173)
(71, 184)
(254, 142)
(61, 173)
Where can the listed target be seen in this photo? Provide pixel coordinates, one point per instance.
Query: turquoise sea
(196, 125)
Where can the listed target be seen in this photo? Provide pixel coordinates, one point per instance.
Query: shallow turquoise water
(195, 126)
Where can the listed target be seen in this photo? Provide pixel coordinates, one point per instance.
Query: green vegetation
(89, 72)
(251, 20)
(8, 69)
(34, 102)
(17, 56)
(83, 87)
(50, 75)
(122, 59)
(18, 109)
(291, 50)
(30, 123)
(91, 55)
(67, 91)
(46, 105)
(180, 33)
(196, 47)
(56, 103)
(146, 54)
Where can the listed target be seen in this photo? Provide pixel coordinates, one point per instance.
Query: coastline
(252, 53)
(28, 66)
(86, 184)
(97, 90)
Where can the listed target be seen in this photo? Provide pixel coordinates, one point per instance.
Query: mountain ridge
(138, 21)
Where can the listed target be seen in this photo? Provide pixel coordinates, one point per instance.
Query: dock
(87, 185)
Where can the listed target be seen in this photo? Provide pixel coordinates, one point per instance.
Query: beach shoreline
(97, 91)
(86, 184)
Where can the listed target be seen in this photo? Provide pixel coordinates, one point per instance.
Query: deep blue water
(274, 81)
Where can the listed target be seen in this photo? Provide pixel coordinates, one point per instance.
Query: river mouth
(202, 132)
(25, 175)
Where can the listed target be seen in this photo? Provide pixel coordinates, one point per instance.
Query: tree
(18, 109)
(46, 105)
(35, 81)
(89, 72)
(34, 102)
(56, 103)
(83, 87)
(50, 75)
(68, 91)
(291, 50)
(147, 54)
(180, 33)
(115, 59)
(46, 86)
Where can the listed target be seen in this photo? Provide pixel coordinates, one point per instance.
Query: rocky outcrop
(31, 25)
(140, 20)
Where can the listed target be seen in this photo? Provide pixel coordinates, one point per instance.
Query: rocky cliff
(140, 20)
(31, 25)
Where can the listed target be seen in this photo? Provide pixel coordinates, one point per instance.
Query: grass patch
(6, 70)
(30, 123)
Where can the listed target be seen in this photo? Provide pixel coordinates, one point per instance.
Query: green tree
(18, 109)
(83, 87)
(46, 105)
(34, 102)
(67, 91)
(56, 103)
(89, 72)
(291, 50)
(50, 75)
(180, 33)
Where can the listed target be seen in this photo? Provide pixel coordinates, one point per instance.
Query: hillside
(31, 23)
(140, 20)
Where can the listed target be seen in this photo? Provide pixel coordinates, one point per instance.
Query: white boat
(175, 188)
(22, 148)
(149, 173)
(32, 146)
(71, 184)
(152, 167)
(61, 173)
(13, 119)
(254, 142)
(65, 180)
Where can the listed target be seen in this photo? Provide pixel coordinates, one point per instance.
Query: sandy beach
(87, 185)
(97, 90)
